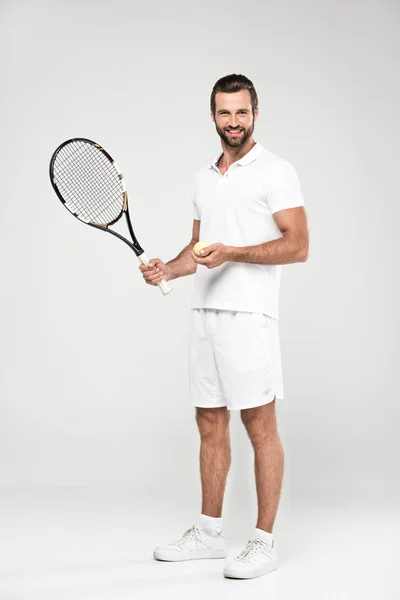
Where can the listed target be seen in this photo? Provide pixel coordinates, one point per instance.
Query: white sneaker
(258, 558)
(193, 545)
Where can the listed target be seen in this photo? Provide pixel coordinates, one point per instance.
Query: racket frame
(134, 244)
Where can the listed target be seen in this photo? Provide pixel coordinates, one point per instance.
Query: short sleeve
(196, 212)
(283, 187)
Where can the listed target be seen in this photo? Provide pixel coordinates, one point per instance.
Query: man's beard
(235, 142)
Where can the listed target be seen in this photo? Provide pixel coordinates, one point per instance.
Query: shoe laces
(252, 548)
(193, 533)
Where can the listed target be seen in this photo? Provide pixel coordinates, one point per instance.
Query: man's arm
(180, 266)
(292, 247)
(183, 264)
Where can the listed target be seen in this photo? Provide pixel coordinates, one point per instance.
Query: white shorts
(234, 359)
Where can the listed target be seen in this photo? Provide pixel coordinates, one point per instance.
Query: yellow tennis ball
(199, 246)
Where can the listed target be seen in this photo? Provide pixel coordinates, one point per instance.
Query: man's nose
(233, 122)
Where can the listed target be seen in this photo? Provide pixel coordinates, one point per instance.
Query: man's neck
(231, 155)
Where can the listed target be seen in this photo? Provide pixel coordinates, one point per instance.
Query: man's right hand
(155, 271)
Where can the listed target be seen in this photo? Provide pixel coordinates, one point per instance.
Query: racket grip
(163, 285)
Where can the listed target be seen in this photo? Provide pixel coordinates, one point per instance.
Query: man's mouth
(235, 133)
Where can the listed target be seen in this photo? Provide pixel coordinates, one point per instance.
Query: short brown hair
(234, 83)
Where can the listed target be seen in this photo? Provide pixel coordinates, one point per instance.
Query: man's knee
(260, 422)
(212, 422)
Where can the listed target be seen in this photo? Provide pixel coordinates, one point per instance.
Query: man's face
(233, 117)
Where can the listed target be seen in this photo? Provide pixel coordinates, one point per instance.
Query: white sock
(211, 525)
(264, 536)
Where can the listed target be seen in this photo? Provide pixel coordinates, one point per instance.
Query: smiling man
(248, 204)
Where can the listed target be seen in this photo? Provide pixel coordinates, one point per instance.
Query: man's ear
(212, 117)
(256, 113)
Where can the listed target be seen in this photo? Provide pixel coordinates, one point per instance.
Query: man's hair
(234, 83)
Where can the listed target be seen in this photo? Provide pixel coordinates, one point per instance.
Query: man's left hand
(217, 254)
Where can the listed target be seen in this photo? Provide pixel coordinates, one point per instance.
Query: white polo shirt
(236, 209)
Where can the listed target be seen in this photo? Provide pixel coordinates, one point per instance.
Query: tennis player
(249, 206)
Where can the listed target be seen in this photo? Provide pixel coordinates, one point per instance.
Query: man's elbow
(303, 252)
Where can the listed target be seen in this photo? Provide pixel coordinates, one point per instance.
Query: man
(249, 206)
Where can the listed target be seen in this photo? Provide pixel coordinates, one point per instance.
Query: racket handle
(163, 285)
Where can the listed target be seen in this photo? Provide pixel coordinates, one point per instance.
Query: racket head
(88, 182)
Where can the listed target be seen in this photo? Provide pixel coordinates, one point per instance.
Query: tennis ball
(199, 246)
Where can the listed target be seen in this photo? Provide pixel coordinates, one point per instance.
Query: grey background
(94, 378)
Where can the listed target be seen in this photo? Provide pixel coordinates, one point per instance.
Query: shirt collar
(247, 159)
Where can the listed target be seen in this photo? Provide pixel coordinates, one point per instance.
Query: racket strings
(90, 188)
(87, 202)
(97, 209)
(89, 183)
(98, 195)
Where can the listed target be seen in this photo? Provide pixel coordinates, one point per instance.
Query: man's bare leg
(261, 426)
(215, 457)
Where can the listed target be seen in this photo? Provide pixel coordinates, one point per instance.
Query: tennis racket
(90, 185)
